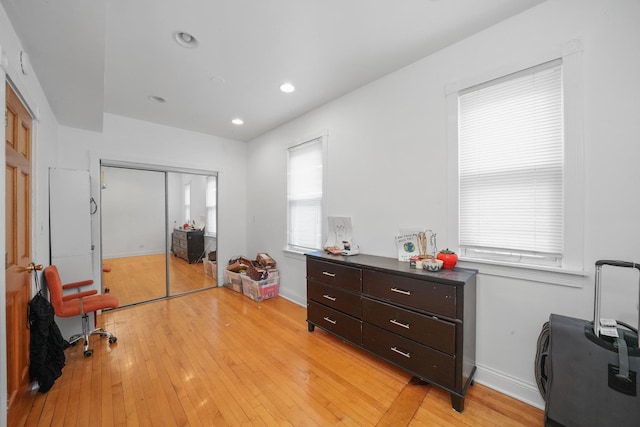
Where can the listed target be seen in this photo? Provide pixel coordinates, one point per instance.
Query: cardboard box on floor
(264, 260)
(258, 279)
(233, 280)
(210, 268)
(260, 290)
(239, 264)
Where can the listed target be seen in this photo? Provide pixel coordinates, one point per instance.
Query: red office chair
(78, 304)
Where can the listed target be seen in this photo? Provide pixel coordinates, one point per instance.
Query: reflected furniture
(188, 245)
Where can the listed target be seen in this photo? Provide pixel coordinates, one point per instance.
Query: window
(210, 206)
(304, 195)
(187, 203)
(511, 168)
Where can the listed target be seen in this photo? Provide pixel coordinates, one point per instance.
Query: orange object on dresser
(449, 259)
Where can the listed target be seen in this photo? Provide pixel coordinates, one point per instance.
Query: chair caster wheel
(112, 340)
(88, 353)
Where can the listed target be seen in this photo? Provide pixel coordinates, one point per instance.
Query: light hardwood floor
(142, 278)
(217, 358)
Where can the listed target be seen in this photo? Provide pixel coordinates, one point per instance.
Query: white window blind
(211, 205)
(511, 157)
(304, 183)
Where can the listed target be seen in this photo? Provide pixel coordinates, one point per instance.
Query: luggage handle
(626, 325)
(596, 305)
(617, 264)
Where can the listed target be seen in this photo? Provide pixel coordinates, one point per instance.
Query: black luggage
(587, 378)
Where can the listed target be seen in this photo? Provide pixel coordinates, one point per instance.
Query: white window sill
(555, 276)
(294, 254)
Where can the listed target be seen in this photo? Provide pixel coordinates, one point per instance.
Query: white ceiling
(109, 56)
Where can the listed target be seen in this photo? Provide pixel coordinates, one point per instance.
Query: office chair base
(86, 333)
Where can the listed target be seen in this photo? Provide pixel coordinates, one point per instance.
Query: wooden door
(18, 241)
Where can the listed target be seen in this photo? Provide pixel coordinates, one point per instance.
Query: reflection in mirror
(133, 225)
(159, 233)
(192, 214)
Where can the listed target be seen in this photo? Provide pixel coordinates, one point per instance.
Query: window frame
(322, 137)
(187, 202)
(571, 272)
(541, 173)
(208, 231)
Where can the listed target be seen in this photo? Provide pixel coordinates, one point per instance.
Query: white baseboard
(294, 298)
(511, 386)
(132, 254)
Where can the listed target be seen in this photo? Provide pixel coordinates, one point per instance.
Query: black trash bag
(47, 345)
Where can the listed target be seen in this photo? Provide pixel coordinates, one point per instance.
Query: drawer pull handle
(329, 297)
(404, 353)
(333, 322)
(400, 291)
(395, 322)
(326, 273)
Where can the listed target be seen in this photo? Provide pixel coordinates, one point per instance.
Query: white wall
(388, 143)
(133, 212)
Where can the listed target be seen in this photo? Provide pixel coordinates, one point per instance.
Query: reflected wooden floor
(217, 358)
(143, 278)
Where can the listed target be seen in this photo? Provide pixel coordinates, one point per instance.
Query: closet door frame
(167, 235)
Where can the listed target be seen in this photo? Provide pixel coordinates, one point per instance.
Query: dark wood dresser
(423, 322)
(188, 245)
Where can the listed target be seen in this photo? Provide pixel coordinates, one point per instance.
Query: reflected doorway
(144, 214)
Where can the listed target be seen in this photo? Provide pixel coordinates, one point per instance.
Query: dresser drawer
(425, 362)
(335, 274)
(179, 243)
(421, 294)
(332, 320)
(335, 298)
(435, 333)
(180, 252)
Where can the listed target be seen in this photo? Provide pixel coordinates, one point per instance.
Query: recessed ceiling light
(287, 87)
(185, 39)
(157, 98)
(237, 121)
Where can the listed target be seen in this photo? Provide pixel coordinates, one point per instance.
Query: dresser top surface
(181, 231)
(392, 265)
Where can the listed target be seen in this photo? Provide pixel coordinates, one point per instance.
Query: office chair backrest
(55, 288)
